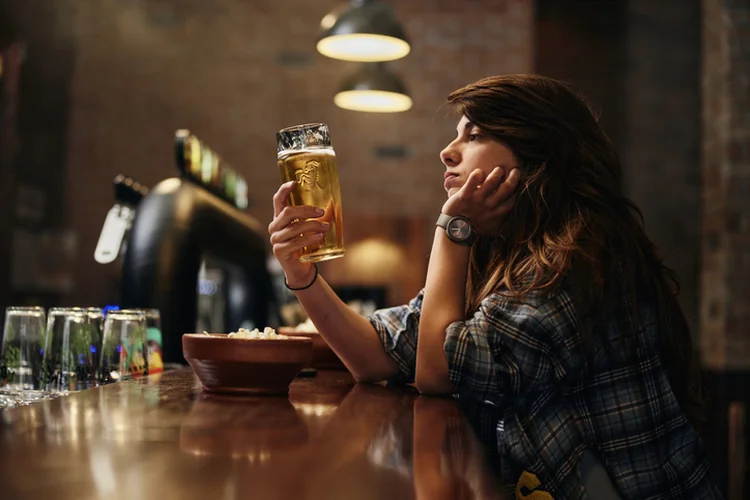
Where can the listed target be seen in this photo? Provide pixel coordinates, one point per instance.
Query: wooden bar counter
(162, 438)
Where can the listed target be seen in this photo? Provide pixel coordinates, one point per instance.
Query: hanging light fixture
(365, 30)
(373, 89)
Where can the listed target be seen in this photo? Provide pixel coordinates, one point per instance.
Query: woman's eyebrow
(467, 126)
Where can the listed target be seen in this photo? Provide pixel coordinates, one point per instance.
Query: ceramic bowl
(231, 365)
(323, 357)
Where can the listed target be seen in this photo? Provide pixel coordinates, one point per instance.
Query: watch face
(459, 229)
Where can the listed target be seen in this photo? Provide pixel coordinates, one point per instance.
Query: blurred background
(91, 89)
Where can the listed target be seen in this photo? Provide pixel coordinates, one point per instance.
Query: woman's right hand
(291, 229)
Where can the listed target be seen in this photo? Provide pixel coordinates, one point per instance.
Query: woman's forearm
(350, 335)
(443, 304)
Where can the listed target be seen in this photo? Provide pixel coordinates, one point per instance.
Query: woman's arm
(444, 302)
(485, 201)
(350, 335)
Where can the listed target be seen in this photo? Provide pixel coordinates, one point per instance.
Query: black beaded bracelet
(315, 278)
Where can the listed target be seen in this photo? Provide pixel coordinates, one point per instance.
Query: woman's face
(472, 149)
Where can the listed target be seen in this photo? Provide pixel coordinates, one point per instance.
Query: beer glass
(153, 341)
(72, 344)
(124, 354)
(21, 353)
(305, 156)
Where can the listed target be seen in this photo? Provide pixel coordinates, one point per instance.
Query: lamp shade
(364, 30)
(373, 89)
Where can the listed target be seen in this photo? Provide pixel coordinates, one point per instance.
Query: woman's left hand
(485, 201)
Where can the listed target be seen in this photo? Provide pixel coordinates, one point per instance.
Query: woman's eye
(473, 137)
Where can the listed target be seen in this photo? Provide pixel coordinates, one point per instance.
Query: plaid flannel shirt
(524, 357)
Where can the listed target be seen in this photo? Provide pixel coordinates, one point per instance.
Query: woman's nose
(449, 156)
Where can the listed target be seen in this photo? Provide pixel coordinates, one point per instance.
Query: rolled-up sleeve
(506, 348)
(398, 328)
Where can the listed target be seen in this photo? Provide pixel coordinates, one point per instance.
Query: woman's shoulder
(541, 310)
(536, 302)
(535, 326)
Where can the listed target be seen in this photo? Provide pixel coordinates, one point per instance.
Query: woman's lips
(451, 181)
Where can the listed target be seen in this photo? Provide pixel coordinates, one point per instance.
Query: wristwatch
(458, 229)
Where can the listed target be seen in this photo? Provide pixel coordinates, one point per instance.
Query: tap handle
(128, 191)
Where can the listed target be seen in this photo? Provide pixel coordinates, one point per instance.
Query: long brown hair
(572, 225)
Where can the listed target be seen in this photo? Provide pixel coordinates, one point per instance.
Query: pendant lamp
(364, 30)
(373, 89)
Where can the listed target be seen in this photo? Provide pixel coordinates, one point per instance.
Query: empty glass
(95, 320)
(72, 342)
(153, 341)
(123, 354)
(21, 354)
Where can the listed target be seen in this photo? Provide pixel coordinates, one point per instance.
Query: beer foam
(288, 152)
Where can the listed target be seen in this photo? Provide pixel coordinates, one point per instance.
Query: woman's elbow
(370, 369)
(373, 375)
(365, 378)
(431, 387)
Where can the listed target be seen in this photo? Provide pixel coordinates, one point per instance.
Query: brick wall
(725, 278)
(38, 60)
(638, 63)
(236, 71)
(584, 43)
(661, 142)
(10, 54)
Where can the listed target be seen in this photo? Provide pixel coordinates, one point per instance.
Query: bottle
(204, 167)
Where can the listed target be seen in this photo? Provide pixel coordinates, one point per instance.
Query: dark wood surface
(162, 437)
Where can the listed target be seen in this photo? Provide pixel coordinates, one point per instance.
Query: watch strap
(444, 220)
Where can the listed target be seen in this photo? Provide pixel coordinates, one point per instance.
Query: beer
(316, 184)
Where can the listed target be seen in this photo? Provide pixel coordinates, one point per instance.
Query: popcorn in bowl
(306, 326)
(268, 333)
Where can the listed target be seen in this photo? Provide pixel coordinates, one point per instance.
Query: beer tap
(113, 238)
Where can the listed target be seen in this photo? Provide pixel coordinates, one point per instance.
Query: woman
(543, 297)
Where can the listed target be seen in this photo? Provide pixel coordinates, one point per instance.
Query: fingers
(493, 181)
(289, 214)
(504, 191)
(295, 229)
(281, 198)
(286, 251)
(476, 178)
(472, 185)
(328, 214)
(507, 205)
